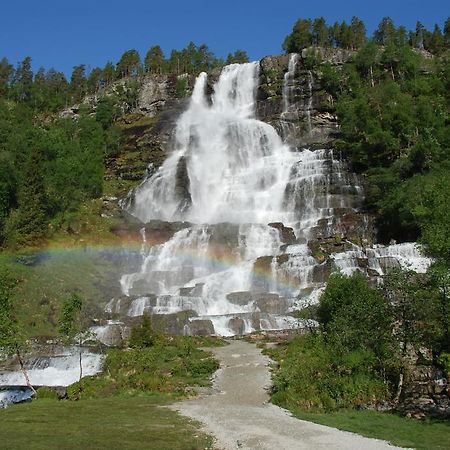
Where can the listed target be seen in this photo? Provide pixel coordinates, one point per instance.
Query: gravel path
(239, 416)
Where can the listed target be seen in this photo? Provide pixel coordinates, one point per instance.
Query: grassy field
(110, 423)
(120, 408)
(400, 431)
(48, 277)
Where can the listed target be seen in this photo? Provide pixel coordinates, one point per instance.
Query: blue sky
(63, 33)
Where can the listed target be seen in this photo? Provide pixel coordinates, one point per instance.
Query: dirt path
(239, 416)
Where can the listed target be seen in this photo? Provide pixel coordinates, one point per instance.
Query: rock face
(153, 94)
(216, 256)
(427, 390)
(310, 119)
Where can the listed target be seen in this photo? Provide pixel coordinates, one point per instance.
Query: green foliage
(312, 377)
(47, 393)
(169, 364)
(10, 336)
(444, 360)
(306, 33)
(181, 87)
(417, 310)
(357, 355)
(356, 318)
(28, 223)
(143, 335)
(394, 130)
(129, 64)
(69, 320)
(238, 57)
(154, 60)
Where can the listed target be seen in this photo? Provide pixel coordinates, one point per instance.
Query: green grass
(50, 276)
(400, 431)
(172, 365)
(110, 423)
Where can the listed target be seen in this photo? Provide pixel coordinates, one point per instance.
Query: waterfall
(309, 103)
(288, 84)
(289, 113)
(253, 204)
(60, 370)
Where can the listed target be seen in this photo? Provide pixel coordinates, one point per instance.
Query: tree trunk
(399, 388)
(24, 371)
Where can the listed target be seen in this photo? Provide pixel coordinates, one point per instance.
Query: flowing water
(253, 202)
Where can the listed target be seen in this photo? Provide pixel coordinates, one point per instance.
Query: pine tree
(108, 73)
(6, 74)
(239, 57)
(28, 223)
(129, 64)
(447, 33)
(154, 61)
(78, 82)
(320, 35)
(300, 38)
(23, 80)
(358, 30)
(386, 32)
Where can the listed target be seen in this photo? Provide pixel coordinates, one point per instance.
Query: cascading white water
(232, 176)
(288, 84)
(59, 370)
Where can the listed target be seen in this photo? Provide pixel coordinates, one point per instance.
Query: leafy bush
(143, 335)
(311, 377)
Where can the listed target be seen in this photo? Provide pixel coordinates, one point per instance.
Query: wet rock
(201, 327)
(237, 325)
(271, 303)
(287, 234)
(182, 185)
(192, 291)
(240, 298)
(158, 231)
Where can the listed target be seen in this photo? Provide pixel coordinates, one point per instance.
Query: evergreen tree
(78, 82)
(386, 32)
(358, 31)
(23, 80)
(320, 36)
(28, 223)
(435, 41)
(300, 38)
(239, 57)
(108, 73)
(154, 60)
(447, 33)
(6, 75)
(129, 64)
(335, 35)
(94, 81)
